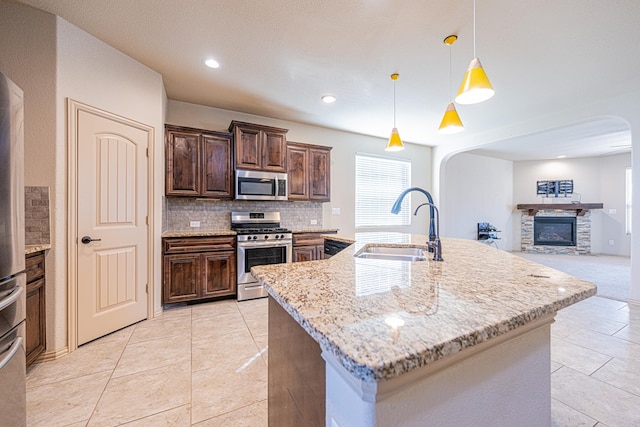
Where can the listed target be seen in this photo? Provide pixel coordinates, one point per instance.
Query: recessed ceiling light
(211, 63)
(562, 156)
(328, 99)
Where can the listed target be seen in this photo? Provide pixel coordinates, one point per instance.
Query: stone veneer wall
(583, 233)
(36, 216)
(179, 211)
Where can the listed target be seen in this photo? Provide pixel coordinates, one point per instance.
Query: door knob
(86, 240)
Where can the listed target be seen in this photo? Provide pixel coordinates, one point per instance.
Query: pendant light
(475, 86)
(451, 122)
(395, 143)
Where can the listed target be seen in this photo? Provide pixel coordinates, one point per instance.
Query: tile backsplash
(180, 211)
(36, 215)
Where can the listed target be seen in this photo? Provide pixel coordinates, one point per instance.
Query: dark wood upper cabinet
(248, 147)
(309, 172)
(182, 154)
(298, 172)
(217, 168)
(198, 163)
(320, 173)
(259, 147)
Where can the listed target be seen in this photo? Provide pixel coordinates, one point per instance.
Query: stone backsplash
(180, 211)
(36, 216)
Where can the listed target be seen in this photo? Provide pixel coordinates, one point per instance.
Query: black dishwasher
(332, 247)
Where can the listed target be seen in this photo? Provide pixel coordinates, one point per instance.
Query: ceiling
(278, 57)
(598, 137)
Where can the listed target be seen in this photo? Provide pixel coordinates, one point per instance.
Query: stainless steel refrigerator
(13, 408)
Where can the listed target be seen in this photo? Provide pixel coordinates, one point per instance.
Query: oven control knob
(282, 236)
(266, 236)
(277, 237)
(254, 237)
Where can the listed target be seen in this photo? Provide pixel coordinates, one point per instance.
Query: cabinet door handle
(87, 239)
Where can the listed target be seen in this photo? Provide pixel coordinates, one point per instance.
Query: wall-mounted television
(554, 188)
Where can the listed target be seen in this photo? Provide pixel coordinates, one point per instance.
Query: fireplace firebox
(554, 231)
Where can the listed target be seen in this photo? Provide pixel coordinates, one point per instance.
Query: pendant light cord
(474, 29)
(450, 77)
(394, 103)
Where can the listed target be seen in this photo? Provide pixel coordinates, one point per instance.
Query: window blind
(379, 181)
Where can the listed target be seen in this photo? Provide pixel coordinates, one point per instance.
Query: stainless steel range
(261, 241)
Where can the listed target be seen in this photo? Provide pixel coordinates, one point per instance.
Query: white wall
(480, 189)
(52, 60)
(612, 177)
(596, 179)
(345, 146)
(96, 74)
(28, 52)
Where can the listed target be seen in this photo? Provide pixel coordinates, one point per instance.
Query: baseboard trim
(50, 355)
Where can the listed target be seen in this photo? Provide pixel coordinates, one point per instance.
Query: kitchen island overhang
(388, 327)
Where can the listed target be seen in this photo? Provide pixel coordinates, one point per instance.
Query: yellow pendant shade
(475, 86)
(395, 143)
(451, 122)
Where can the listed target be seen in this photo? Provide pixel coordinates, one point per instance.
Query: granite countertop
(32, 249)
(198, 233)
(227, 232)
(314, 230)
(381, 319)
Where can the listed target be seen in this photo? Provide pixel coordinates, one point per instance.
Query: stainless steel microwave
(259, 185)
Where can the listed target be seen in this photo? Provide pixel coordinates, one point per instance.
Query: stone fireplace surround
(582, 213)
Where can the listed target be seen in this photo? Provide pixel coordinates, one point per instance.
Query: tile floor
(206, 365)
(201, 365)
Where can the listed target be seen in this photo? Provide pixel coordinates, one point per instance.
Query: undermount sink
(392, 253)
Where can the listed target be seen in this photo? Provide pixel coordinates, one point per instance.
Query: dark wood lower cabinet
(308, 253)
(308, 246)
(296, 380)
(35, 323)
(198, 267)
(219, 274)
(181, 277)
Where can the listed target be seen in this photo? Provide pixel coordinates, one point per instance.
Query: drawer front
(198, 244)
(35, 266)
(308, 239)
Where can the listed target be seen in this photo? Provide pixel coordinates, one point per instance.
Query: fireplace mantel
(580, 208)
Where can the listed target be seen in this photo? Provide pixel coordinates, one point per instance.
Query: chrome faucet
(434, 244)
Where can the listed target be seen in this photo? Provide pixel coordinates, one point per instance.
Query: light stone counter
(198, 233)
(32, 249)
(382, 319)
(314, 230)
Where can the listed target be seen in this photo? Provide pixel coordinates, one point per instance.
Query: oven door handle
(272, 243)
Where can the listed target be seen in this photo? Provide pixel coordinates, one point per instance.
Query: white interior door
(112, 205)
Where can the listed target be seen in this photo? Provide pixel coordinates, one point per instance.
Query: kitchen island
(364, 342)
